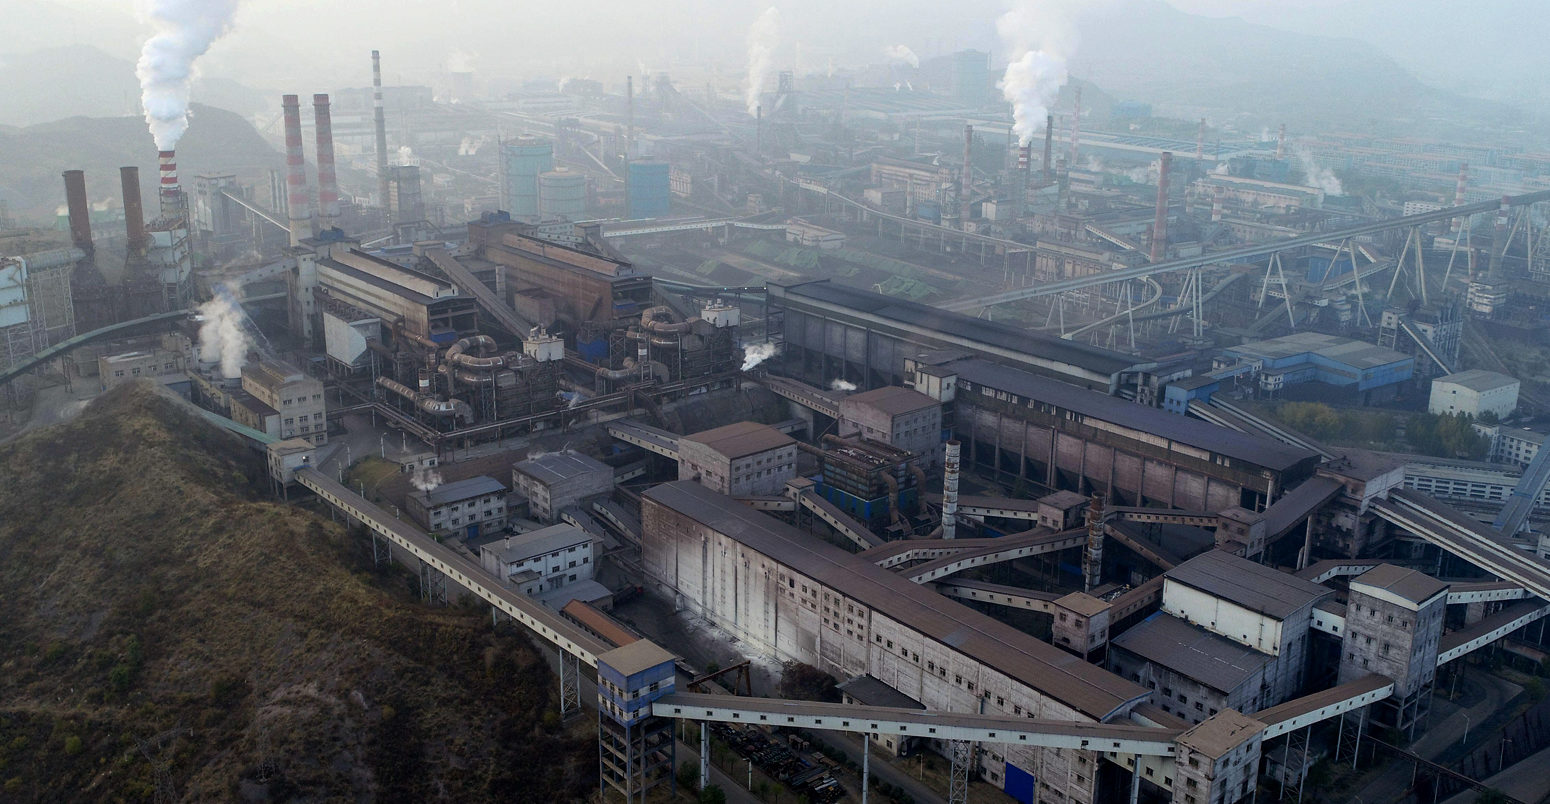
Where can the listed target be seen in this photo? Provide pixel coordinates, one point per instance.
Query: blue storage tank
(648, 191)
(929, 211)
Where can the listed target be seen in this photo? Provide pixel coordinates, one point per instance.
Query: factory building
(745, 459)
(1019, 425)
(1368, 372)
(421, 306)
(1393, 624)
(556, 480)
(791, 597)
(1514, 445)
(162, 365)
(522, 162)
(296, 398)
(543, 560)
(1474, 392)
(1231, 634)
(872, 481)
(899, 417)
(648, 190)
(1467, 481)
(467, 508)
(828, 332)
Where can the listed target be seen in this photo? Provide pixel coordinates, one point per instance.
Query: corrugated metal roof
(460, 490)
(740, 439)
(1193, 652)
(891, 400)
(1416, 587)
(556, 467)
(1244, 583)
(872, 692)
(1064, 677)
(1251, 449)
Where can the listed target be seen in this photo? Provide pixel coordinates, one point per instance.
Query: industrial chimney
(950, 490)
(328, 182)
(629, 117)
(381, 124)
(1076, 128)
(1160, 223)
(1216, 204)
(967, 178)
(80, 210)
(134, 212)
(1049, 143)
(171, 191)
(1458, 194)
(296, 172)
(1281, 143)
(758, 129)
(1499, 241)
(1200, 141)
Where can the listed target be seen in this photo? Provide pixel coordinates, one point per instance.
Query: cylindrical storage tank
(648, 189)
(562, 194)
(523, 162)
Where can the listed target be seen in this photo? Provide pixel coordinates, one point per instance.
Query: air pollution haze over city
(1022, 400)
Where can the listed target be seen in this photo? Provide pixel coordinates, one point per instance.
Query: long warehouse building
(791, 596)
(828, 332)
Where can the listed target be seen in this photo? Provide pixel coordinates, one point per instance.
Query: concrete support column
(704, 754)
(866, 763)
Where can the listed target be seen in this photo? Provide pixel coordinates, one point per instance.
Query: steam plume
(185, 30)
(425, 479)
(1315, 176)
(842, 385)
(222, 337)
(1039, 36)
(902, 53)
(762, 38)
(758, 353)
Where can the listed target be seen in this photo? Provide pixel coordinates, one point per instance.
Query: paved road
(1524, 781)
(1442, 733)
(881, 767)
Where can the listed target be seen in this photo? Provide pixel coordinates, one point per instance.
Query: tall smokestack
(1281, 143)
(758, 129)
(171, 191)
(629, 117)
(381, 123)
(1049, 145)
(1076, 128)
(1499, 242)
(296, 172)
(1458, 194)
(1200, 141)
(1216, 204)
(1160, 223)
(328, 181)
(134, 211)
(950, 490)
(1092, 553)
(967, 178)
(80, 210)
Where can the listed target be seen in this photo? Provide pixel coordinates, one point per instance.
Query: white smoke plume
(902, 53)
(842, 385)
(222, 338)
(461, 61)
(762, 38)
(185, 29)
(1039, 36)
(406, 156)
(425, 479)
(1221, 169)
(758, 353)
(1313, 175)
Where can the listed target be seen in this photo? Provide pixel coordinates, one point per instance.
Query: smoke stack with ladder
(171, 191)
(80, 210)
(296, 172)
(1458, 195)
(328, 182)
(1160, 223)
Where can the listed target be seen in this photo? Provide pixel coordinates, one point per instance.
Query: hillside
(217, 141)
(159, 614)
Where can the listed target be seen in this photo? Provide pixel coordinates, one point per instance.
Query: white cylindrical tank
(562, 194)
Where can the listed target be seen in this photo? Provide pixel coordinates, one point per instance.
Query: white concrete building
(1474, 392)
(289, 392)
(542, 560)
(899, 417)
(743, 459)
(558, 479)
(471, 507)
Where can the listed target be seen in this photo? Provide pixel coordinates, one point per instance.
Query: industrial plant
(1027, 421)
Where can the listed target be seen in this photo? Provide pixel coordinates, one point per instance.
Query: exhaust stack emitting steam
(185, 31)
(222, 338)
(425, 479)
(842, 385)
(1313, 175)
(762, 38)
(757, 353)
(1039, 37)
(902, 53)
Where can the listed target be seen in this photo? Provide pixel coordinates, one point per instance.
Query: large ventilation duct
(328, 182)
(296, 172)
(79, 209)
(428, 403)
(456, 353)
(649, 322)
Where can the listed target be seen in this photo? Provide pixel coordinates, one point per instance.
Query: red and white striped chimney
(171, 193)
(1281, 143)
(328, 182)
(1216, 204)
(300, 209)
(1458, 194)
(1160, 223)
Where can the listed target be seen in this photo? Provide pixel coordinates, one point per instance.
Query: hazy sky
(280, 43)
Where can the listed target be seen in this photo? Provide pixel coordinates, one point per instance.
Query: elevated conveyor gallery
(506, 317)
(1521, 502)
(1477, 543)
